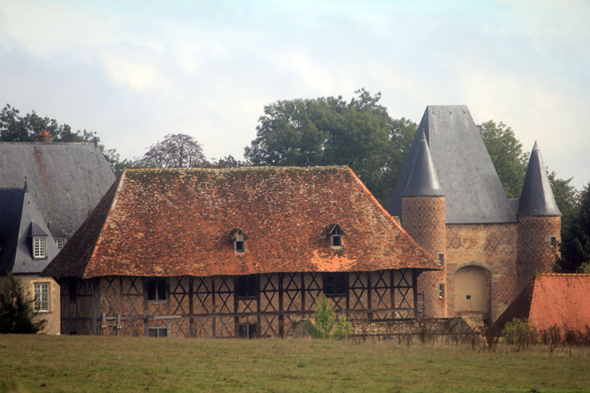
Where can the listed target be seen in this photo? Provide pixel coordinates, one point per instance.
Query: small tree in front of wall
(520, 333)
(17, 311)
(325, 323)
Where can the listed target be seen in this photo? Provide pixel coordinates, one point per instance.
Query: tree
(331, 131)
(17, 312)
(175, 151)
(575, 238)
(507, 156)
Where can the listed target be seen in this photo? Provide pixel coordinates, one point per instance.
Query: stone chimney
(44, 136)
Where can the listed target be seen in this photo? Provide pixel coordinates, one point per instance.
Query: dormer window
(238, 238)
(39, 247)
(335, 233)
(39, 241)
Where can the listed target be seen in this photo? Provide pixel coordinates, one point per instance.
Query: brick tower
(423, 217)
(539, 223)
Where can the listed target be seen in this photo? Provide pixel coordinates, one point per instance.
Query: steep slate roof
(423, 180)
(553, 299)
(179, 222)
(19, 220)
(474, 193)
(66, 180)
(536, 197)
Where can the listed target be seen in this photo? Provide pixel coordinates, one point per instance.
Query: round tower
(423, 217)
(539, 223)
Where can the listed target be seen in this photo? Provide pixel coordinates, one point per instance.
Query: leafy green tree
(332, 131)
(325, 323)
(17, 312)
(575, 240)
(507, 156)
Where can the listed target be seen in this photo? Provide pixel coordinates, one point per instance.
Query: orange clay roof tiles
(171, 222)
(553, 299)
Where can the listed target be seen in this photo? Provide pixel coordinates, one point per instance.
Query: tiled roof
(553, 299)
(179, 222)
(66, 180)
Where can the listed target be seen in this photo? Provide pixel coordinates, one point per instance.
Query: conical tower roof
(536, 197)
(423, 180)
(474, 193)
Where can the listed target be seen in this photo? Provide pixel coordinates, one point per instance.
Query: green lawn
(112, 364)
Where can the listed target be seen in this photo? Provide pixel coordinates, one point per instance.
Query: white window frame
(59, 243)
(41, 296)
(39, 247)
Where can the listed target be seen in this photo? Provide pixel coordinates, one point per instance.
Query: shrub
(325, 323)
(17, 312)
(520, 333)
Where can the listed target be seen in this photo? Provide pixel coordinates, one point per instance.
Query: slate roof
(423, 180)
(536, 198)
(553, 299)
(171, 222)
(474, 193)
(66, 180)
(19, 220)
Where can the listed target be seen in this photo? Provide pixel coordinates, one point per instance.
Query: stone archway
(472, 291)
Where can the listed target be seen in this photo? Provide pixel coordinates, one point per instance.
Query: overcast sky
(135, 71)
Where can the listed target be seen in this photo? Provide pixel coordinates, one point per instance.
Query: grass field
(113, 364)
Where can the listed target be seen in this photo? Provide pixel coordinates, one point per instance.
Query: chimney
(480, 129)
(43, 136)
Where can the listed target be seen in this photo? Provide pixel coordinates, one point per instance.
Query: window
(42, 297)
(39, 247)
(247, 287)
(158, 332)
(335, 284)
(72, 290)
(336, 233)
(156, 289)
(247, 330)
(441, 291)
(441, 259)
(553, 241)
(59, 243)
(240, 246)
(238, 237)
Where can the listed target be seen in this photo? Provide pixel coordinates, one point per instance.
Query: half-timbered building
(234, 253)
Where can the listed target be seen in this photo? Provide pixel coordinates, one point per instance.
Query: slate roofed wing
(179, 222)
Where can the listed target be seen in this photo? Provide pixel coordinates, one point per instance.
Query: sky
(135, 71)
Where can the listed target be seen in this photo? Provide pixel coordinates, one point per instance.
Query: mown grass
(113, 364)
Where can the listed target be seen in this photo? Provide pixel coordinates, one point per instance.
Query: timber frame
(211, 307)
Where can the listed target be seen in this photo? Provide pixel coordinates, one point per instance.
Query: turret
(423, 217)
(539, 222)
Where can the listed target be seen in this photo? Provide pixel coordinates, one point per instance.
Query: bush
(520, 333)
(325, 323)
(17, 312)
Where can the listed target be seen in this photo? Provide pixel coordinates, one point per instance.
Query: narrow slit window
(553, 241)
(441, 259)
(441, 291)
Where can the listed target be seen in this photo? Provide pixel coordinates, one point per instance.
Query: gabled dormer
(238, 239)
(335, 234)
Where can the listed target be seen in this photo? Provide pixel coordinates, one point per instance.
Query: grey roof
(536, 197)
(20, 219)
(66, 180)
(474, 193)
(423, 180)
